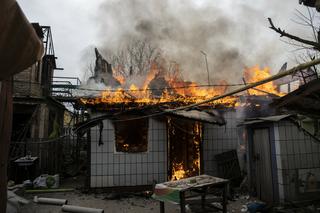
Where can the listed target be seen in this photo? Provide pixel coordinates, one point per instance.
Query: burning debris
(103, 72)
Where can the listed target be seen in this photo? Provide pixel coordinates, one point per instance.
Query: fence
(49, 153)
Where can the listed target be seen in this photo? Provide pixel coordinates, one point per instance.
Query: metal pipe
(79, 209)
(52, 201)
(205, 57)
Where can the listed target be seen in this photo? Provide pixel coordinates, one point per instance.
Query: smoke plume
(233, 35)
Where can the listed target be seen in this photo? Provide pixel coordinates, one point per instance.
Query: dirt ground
(125, 204)
(133, 204)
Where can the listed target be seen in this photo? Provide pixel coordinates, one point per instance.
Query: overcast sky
(79, 25)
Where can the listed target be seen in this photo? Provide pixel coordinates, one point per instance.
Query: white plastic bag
(40, 181)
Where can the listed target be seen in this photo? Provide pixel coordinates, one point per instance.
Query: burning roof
(164, 86)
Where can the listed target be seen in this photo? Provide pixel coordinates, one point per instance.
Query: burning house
(141, 135)
(126, 151)
(135, 138)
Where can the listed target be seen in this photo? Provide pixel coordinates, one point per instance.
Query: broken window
(131, 135)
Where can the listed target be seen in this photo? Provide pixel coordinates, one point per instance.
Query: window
(131, 135)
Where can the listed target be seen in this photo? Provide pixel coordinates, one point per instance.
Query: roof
(304, 100)
(208, 116)
(274, 118)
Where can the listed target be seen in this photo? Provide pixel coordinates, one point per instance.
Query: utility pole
(205, 57)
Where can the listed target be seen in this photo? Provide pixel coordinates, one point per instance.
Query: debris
(40, 181)
(113, 196)
(256, 207)
(79, 209)
(14, 201)
(47, 181)
(49, 190)
(10, 183)
(217, 205)
(14, 187)
(52, 201)
(244, 208)
(27, 184)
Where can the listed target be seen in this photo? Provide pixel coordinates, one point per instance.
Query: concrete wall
(297, 154)
(109, 168)
(218, 139)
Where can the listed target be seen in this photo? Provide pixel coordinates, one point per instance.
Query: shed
(283, 160)
(173, 137)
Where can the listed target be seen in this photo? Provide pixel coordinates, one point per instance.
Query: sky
(80, 25)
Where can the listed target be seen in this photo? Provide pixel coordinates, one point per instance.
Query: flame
(117, 74)
(178, 171)
(120, 78)
(177, 90)
(255, 74)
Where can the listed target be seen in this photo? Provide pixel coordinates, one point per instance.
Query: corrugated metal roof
(305, 100)
(274, 118)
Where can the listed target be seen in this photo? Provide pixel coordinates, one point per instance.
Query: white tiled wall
(110, 168)
(295, 150)
(218, 139)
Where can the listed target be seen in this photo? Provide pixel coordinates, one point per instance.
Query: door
(262, 165)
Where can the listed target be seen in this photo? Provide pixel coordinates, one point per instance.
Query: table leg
(224, 198)
(182, 202)
(203, 198)
(161, 207)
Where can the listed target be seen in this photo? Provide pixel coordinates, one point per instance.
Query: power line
(168, 88)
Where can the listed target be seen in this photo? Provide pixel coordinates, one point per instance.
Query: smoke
(233, 35)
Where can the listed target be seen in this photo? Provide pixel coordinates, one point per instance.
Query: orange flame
(178, 171)
(256, 74)
(178, 90)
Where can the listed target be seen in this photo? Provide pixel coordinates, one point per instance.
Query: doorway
(262, 168)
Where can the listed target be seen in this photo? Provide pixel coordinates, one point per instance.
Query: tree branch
(287, 35)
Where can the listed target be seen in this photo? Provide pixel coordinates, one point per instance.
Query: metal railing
(62, 87)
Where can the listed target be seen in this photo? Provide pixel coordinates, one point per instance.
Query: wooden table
(176, 191)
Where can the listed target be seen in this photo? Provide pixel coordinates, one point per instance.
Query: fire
(176, 90)
(178, 171)
(255, 74)
(183, 169)
(160, 85)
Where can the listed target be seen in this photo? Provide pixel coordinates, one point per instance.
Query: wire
(163, 88)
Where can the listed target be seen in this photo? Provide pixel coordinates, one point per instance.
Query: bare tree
(135, 59)
(310, 47)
